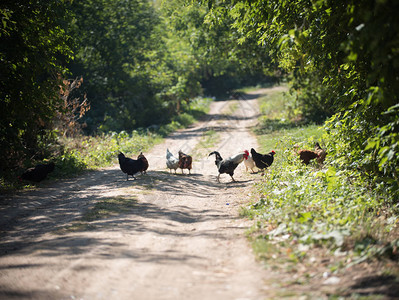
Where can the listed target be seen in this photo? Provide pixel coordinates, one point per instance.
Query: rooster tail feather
(218, 157)
(214, 152)
(217, 154)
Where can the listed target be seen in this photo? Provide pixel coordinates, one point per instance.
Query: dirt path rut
(165, 236)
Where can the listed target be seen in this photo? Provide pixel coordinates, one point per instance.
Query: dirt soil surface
(162, 236)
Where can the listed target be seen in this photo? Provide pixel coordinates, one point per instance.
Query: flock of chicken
(131, 166)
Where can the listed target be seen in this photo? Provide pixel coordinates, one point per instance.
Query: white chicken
(172, 162)
(249, 162)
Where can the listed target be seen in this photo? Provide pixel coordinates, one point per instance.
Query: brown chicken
(185, 162)
(145, 163)
(321, 154)
(307, 155)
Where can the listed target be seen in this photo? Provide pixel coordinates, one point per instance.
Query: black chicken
(38, 173)
(228, 165)
(262, 161)
(130, 166)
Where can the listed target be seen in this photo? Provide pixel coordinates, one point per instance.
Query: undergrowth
(330, 206)
(91, 152)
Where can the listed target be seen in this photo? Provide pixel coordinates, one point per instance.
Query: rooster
(37, 173)
(130, 166)
(249, 162)
(145, 163)
(262, 161)
(228, 165)
(172, 162)
(185, 162)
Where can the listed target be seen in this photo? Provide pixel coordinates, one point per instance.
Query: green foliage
(207, 51)
(143, 64)
(33, 50)
(279, 105)
(343, 59)
(115, 49)
(195, 110)
(279, 115)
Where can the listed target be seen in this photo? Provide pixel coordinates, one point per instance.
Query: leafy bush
(185, 119)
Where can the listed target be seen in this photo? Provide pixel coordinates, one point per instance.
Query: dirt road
(162, 236)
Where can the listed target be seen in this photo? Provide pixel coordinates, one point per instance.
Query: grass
(231, 107)
(210, 139)
(301, 208)
(277, 104)
(206, 144)
(104, 209)
(109, 207)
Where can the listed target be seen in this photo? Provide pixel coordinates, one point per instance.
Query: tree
(114, 44)
(211, 48)
(33, 52)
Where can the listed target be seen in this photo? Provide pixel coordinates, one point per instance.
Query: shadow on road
(60, 208)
